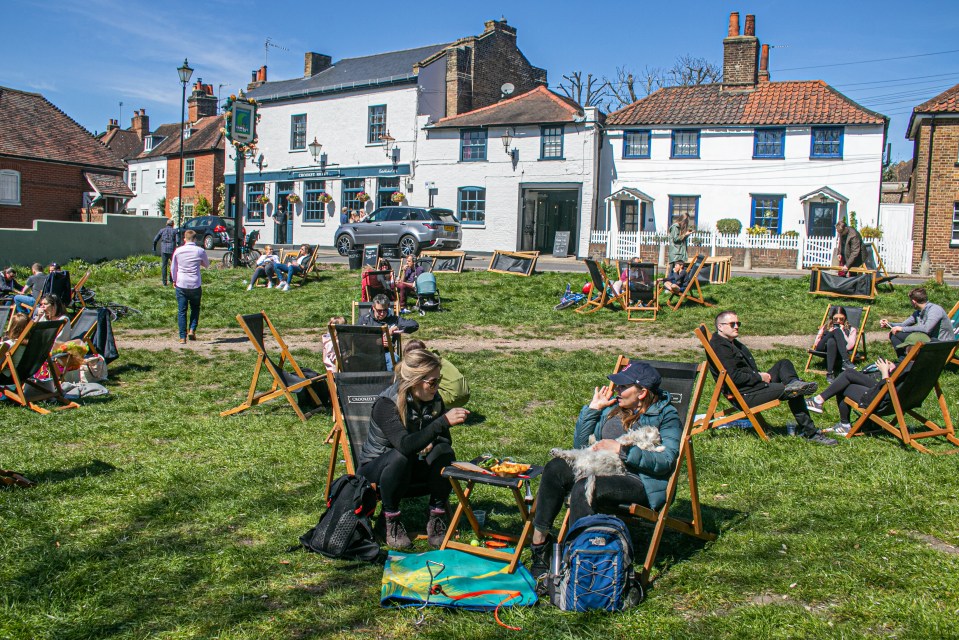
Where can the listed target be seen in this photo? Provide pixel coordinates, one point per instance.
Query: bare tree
(689, 70)
(590, 92)
(626, 87)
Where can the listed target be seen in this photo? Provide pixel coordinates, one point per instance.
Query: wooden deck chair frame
(899, 429)
(6, 315)
(532, 256)
(437, 256)
(602, 294)
(392, 349)
(815, 283)
(882, 276)
(696, 265)
(661, 519)
(357, 308)
(279, 387)
(308, 269)
(389, 291)
(81, 329)
(77, 293)
(715, 418)
(860, 339)
(641, 310)
(19, 383)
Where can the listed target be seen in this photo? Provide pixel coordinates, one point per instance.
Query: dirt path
(234, 340)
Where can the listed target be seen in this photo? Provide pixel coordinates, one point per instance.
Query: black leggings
(851, 384)
(557, 482)
(393, 474)
(834, 344)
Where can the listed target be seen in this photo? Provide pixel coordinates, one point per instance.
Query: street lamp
(185, 73)
(315, 148)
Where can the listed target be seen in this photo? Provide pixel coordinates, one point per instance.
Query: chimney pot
(750, 29)
(733, 24)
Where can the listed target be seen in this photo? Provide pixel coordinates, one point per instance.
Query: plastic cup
(480, 516)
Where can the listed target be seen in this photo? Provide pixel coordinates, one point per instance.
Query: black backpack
(344, 530)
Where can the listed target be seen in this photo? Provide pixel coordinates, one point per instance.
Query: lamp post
(185, 73)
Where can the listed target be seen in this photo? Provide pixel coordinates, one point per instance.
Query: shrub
(202, 207)
(792, 233)
(758, 230)
(729, 225)
(871, 233)
(161, 205)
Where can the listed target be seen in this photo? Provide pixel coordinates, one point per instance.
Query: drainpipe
(924, 261)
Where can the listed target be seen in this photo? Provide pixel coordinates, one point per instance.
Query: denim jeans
(183, 298)
(165, 266)
(23, 303)
(289, 270)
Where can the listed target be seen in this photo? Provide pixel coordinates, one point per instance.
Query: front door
(544, 213)
(284, 213)
(822, 219)
(628, 216)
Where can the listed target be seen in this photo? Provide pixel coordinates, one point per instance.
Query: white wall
(726, 174)
(149, 189)
(432, 89)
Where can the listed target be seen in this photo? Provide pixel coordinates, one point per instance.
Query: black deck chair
(602, 294)
(908, 386)
(83, 326)
(374, 283)
(24, 359)
(284, 383)
(859, 284)
(6, 313)
(872, 260)
(691, 286)
(684, 382)
(954, 316)
(642, 292)
(58, 283)
(857, 317)
(360, 348)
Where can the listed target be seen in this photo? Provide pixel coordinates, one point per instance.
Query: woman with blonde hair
(409, 442)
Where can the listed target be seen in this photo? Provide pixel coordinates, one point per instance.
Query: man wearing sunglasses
(780, 382)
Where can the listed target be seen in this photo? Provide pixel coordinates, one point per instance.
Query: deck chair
(826, 281)
(284, 383)
(904, 394)
(684, 382)
(84, 326)
(726, 388)
(6, 314)
(359, 309)
(76, 295)
(872, 260)
(360, 349)
(21, 361)
(857, 317)
(642, 292)
(954, 316)
(374, 283)
(602, 294)
(692, 283)
(58, 284)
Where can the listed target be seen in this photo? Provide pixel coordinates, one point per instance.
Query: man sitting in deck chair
(927, 323)
(381, 314)
(758, 387)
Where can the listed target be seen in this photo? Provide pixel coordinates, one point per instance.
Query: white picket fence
(812, 250)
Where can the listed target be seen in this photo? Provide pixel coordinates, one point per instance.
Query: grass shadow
(91, 469)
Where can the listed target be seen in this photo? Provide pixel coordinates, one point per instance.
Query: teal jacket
(653, 467)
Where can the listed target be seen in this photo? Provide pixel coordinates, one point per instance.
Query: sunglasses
(432, 383)
(737, 323)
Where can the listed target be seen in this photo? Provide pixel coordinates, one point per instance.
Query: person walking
(679, 232)
(185, 274)
(167, 238)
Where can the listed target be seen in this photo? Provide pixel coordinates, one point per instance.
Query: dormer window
(186, 132)
(148, 143)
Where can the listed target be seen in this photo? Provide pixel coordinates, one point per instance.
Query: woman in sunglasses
(635, 400)
(837, 338)
(409, 442)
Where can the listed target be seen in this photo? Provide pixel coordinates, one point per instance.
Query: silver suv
(411, 228)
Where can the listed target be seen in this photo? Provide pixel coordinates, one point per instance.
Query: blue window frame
(685, 143)
(351, 187)
(473, 145)
(254, 208)
(767, 212)
(683, 204)
(636, 144)
(769, 143)
(826, 142)
(551, 142)
(377, 124)
(313, 209)
(472, 205)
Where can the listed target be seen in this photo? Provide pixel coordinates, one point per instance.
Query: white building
(146, 173)
(789, 156)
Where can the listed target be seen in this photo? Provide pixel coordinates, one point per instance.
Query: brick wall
(48, 191)
(942, 193)
(208, 173)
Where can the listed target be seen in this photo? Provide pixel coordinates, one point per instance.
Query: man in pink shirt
(185, 272)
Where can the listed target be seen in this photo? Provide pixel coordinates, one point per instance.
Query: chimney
(314, 63)
(111, 125)
(764, 64)
(259, 77)
(740, 55)
(201, 103)
(498, 26)
(140, 123)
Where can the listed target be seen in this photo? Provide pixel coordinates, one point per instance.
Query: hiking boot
(540, 556)
(798, 388)
(819, 438)
(396, 536)
(436, 527)
(812, 405)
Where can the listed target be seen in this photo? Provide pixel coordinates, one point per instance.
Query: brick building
(934, 130)
(48, 163)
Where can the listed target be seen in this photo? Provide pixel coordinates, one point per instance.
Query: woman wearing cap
(635, 400)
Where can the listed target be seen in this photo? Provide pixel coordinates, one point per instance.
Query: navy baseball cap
(638, 373)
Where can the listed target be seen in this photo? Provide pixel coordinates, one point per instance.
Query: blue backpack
(596, 568)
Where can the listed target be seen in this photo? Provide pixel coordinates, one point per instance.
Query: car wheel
(208, 242)
(344, 244)
(408, 246)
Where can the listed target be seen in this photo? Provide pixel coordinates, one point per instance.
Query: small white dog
(587, 463)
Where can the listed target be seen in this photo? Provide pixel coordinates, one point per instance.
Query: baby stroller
(427, 294)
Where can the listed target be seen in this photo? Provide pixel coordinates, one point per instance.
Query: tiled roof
(108, 185)
(945, 102)
(205, 136)
(771, 103)
(350, 73)
(164, 132)
(124, 143)
(538, 106)
(32, 127)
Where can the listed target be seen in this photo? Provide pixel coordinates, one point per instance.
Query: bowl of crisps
(509, 469)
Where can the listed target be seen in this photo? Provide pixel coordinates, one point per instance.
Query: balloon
(587, 288)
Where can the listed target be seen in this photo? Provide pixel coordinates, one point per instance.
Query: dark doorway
(545, 212)
(283, 217)
(822, 219)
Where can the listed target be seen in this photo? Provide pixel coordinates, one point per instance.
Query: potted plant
(264, 199)
(293, 198)
(871, 233)
(325, 198)
(362, 196)
(398, 197)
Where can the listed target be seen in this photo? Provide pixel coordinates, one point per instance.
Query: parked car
(411, 228)
(212, 231)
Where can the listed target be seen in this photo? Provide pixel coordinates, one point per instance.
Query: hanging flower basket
(362, 196)
(263, 199)
(325, 198)
(398, 196)
(293, 198)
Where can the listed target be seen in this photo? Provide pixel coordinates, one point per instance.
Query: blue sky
(88, 56)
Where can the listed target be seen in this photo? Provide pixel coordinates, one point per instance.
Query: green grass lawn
(154, 517)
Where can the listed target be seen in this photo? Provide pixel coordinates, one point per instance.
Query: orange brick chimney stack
(733, 24)
(140, 123)
(764, 64)
(740, 55)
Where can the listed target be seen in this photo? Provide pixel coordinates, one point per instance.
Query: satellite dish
(507, 89)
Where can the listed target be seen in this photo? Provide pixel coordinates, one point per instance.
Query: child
(675, 279)
(329, 353)
(18, 323)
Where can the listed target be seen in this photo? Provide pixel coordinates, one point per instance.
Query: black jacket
(738, 362)
(405, 325)
(425, 424)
